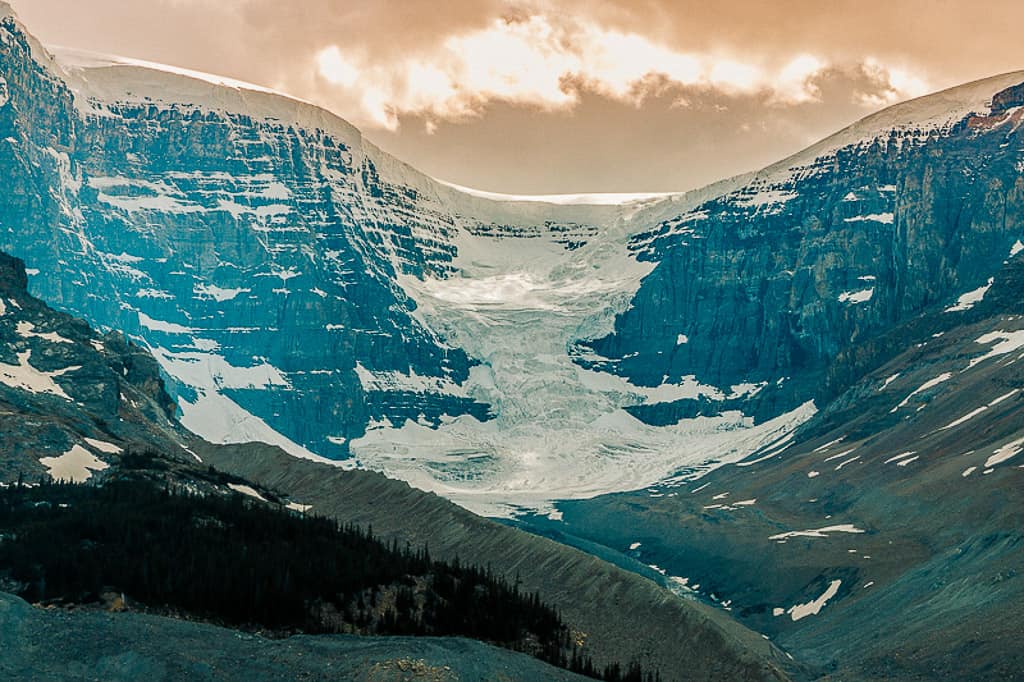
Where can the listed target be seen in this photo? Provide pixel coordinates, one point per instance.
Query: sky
(560, 96)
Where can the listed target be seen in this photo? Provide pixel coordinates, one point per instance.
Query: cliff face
(765, 285)
(160, 219)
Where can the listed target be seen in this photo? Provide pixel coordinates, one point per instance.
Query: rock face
(769, 282)
(71, 400)
(126, 208)
(300, 287)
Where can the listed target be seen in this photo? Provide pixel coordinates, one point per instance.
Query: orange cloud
(544, 60)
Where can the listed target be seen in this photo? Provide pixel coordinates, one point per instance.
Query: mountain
(791, 396)
(71, 393)
(300, 287)
(767, 283)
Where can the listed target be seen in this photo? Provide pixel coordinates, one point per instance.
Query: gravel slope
(56, 645)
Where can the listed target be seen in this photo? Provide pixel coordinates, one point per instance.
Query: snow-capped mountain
(299, 286)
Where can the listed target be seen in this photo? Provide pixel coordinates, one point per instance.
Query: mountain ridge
(431, 315)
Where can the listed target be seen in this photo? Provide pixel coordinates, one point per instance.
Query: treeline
(233, 561)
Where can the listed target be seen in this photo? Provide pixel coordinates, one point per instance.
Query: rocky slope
(73, 394)
(58, 645)
(882, 540)
(618, 615)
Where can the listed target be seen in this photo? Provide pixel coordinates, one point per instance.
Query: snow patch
(1008, 342)
(246, 490)
(27, 378)
(889, 380)
(902, 455)
(817, 532)
(216, 417)
(77, 465)
(390, 380)
(27, 330)
(813, 608)
(103, 446)
(210, 370)
(161, 326)
(839, 455)
(971, 298)
(847, 461)
(1005, 452)
(931, 383)
(974, 413)
(829, 444)
(862, 296)
(216, 293)
(884, 218)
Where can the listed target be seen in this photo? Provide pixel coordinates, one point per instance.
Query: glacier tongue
(560, 430)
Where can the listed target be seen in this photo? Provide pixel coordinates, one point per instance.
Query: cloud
(546, 60)
(888, 84)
